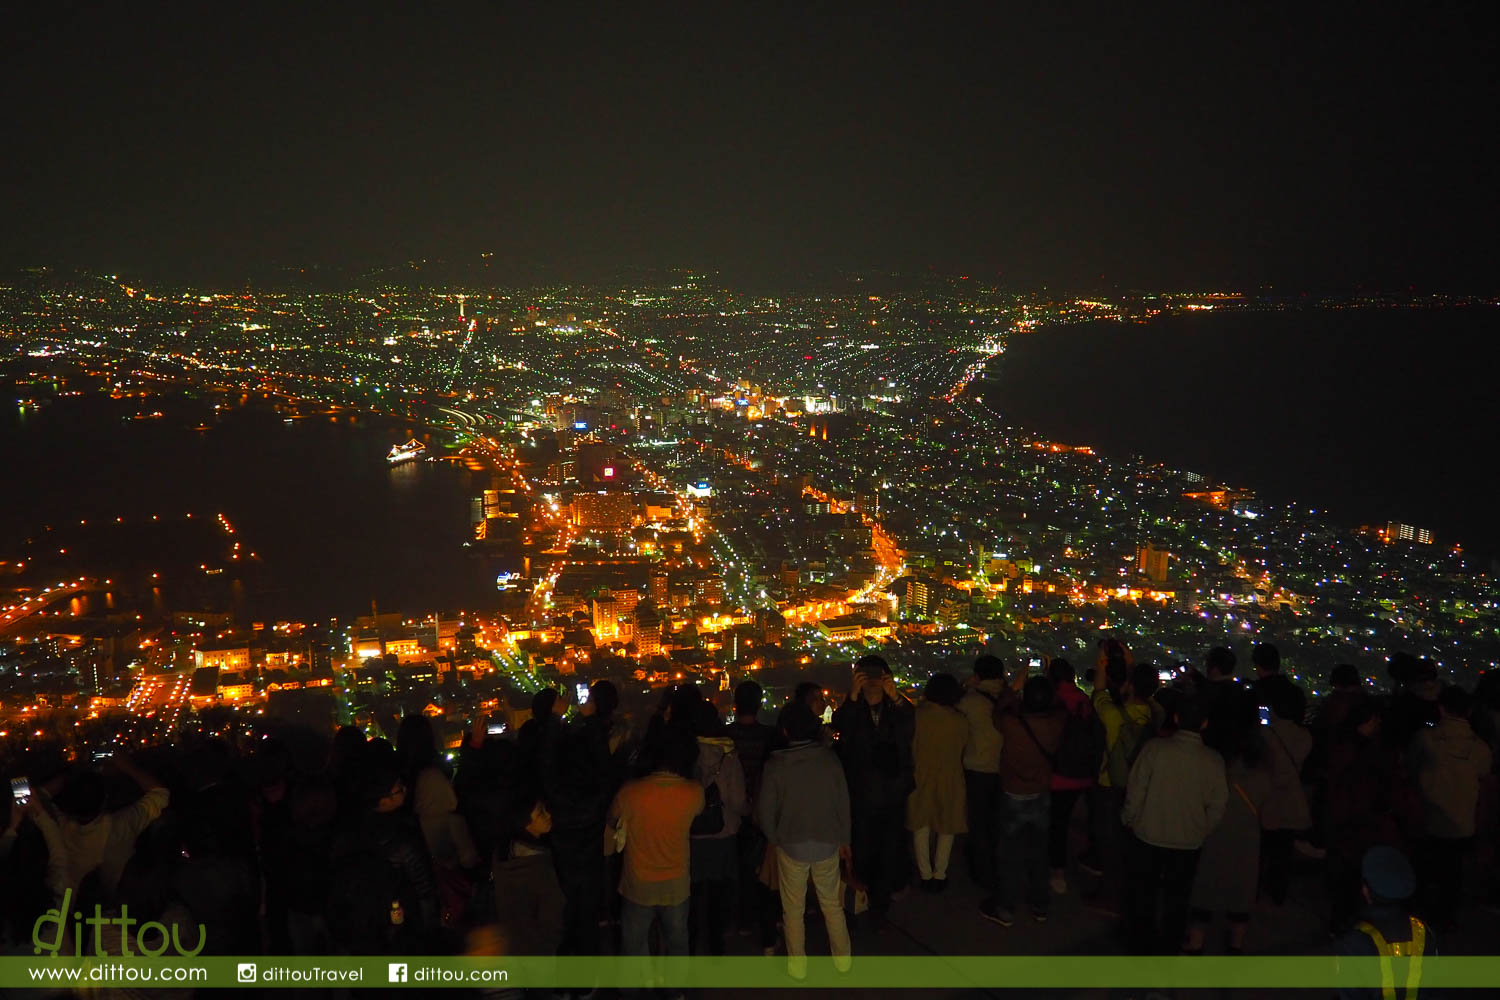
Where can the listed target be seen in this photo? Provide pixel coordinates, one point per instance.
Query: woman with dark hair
(937, 804)
(530, 901)
(435, 805)
(1229, 865)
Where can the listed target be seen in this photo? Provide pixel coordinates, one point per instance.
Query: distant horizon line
(735, 279)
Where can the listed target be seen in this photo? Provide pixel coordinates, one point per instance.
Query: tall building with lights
(1395, 531)
(1151, 562)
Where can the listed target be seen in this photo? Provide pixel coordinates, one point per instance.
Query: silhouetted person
(581, 768)
(1286, 812)
(1067, 789)
(382, 896)
(875, 727)
(431, 798)
(1031, 729)
(982, 769)
(297, 843)
(1413, 704)
(1449, 763)
(1220, 684)
(1229, 865)
(753, 743)
(1361, 805)
(715, 853)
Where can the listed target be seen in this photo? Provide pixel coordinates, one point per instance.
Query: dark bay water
(1375, 415)
(334, 525)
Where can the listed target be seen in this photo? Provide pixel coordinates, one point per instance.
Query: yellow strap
(1418, 947)
(1411, 950)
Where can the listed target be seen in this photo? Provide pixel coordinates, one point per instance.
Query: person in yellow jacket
(1387, 930)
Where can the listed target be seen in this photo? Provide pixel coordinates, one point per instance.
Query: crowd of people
(588, 835)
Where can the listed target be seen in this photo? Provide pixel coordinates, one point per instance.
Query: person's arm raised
(144, 779)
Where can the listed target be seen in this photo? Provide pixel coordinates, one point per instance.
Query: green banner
(865, 972)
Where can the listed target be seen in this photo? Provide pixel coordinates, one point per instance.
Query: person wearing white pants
(792, 875)
(931, 864)
(804, 812)
(939, 802)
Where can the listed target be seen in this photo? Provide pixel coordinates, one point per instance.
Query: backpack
(711, 820)
(1133, 736)
(1080, 755)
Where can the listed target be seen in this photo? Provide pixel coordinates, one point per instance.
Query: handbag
(711, 820)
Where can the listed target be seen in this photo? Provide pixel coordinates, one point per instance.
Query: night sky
(1086, 146)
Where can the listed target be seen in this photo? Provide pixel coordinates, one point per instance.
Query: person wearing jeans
(1031, 727)
(804, 812)
(1023, 843)
(635, 927)
(656, 813)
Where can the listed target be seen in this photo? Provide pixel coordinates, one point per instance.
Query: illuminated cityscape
(679, 501)
(674, 481)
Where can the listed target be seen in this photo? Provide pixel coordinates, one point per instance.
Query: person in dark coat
(753, 743)
(529, 910)
(1361, 807)
(382, 895)
(875, 726)
(578, 777)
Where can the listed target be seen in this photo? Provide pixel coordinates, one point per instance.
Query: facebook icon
(397, 972)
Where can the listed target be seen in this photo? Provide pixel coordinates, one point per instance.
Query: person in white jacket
(1175, 798)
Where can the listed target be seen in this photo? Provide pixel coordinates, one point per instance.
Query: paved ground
(949, 924)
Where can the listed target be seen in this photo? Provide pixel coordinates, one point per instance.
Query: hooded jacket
(804, 797)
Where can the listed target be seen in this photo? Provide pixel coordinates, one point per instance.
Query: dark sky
(1231, 147)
